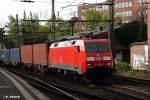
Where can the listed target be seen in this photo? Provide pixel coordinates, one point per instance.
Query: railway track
(132, 79)
(66, 93)
(127, 87)
(117, 92)
(103, 91)
(135, 87)
(113, 92)
(128, 92)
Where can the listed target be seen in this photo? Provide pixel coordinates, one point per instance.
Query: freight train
(72, 56)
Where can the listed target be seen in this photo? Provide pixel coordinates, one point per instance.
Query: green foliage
(118, 21)
(29, 32)
(35, 32)
(134, 72)
(126, 69)
(99, 20)
(62, 28)
(11, 25)
(104, 17)
(140, 73)
(95, 17)
(122, 66)
(10, 40)
(28, 28)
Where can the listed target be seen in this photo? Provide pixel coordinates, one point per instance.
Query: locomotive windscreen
(97, 47)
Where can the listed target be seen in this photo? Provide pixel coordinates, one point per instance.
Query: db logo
(97, 54)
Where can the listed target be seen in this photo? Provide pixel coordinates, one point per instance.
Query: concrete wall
(139, 57)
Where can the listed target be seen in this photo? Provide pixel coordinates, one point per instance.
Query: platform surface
(13, 87)
(8, 90)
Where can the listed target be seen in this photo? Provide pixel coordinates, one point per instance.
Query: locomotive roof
(65, 43)
(76, 42)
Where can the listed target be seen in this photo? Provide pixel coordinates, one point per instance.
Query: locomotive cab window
(96, 47)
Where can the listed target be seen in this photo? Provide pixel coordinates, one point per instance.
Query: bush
(122, 66)
(139, 72)
(126, 69)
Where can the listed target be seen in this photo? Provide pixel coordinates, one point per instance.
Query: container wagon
(26, 55)
(14, 56)
(5, 56)
(40, 55)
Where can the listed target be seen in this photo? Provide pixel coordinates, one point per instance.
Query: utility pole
(72, 25)
(111, 30)
(58, 14)
(17, 31)
(141, 21)
(2, 35)
(53, 15)
(73, 21)
(53, 20)
(33, 32)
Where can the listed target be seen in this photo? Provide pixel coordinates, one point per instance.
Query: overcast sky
(40, 7)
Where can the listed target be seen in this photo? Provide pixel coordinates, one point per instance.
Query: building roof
(84, 33)
(68, 37)
(96, 32)
(139, 43)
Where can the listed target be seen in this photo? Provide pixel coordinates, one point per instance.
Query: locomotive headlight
(89, 66)
(109, 64)
(106, 58)
(90, 59)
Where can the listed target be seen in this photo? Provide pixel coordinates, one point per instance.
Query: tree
(118, 21)
(29, 31)
(62, 28)
(104, 18)
(33, 31)
(95, 17)
(99, 20)
(10, 39)
(11, 25)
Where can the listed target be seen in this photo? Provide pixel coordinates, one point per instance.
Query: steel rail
(60, 88)
(44, 85)
(132, 79)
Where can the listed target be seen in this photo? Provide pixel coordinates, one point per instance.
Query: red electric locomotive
(80, 56)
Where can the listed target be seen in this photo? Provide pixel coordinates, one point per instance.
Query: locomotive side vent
(73, 42)
(56, 44)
